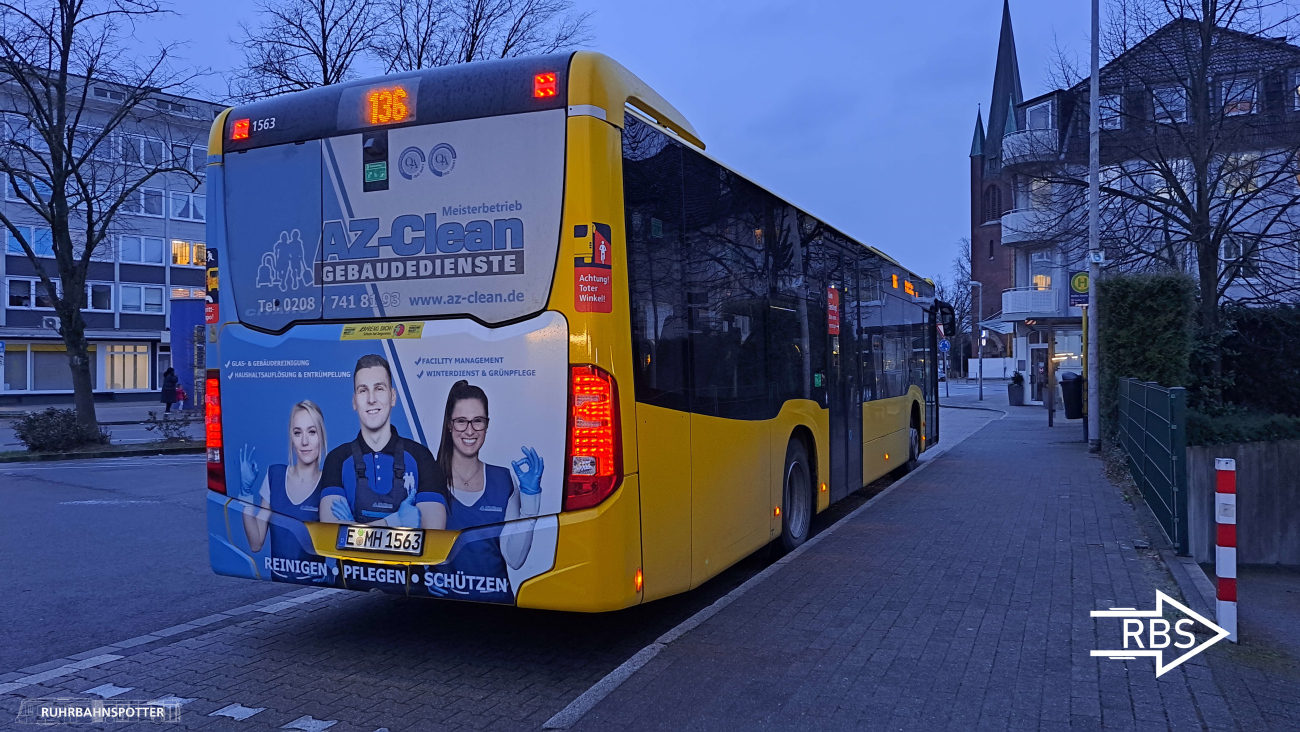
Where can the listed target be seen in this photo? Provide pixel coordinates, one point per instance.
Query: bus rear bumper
(597, 558)
(584, 561)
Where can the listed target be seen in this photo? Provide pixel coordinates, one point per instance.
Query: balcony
(1030, 147)
(1023, 227)
(1028, 303)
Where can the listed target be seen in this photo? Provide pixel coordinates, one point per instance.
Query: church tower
(992, 193)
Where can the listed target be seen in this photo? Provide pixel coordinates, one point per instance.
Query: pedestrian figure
(169, 384)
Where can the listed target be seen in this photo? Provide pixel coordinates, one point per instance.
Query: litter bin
(1072, 394)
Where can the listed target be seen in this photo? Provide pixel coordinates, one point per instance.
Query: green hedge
(1261, 358)
(1144, 331)
(1239, 425)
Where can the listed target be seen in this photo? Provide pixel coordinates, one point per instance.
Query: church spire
(1006, 87)
(977, 143)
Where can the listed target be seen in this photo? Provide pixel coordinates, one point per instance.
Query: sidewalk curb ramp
(179, 449)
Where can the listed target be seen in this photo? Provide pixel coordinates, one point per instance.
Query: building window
(192, 158)
(99, 296)
(141, 250)
(189, 206)
(128, 366)
(40, 240)
(167, 106)
(144, 202)
(50, 369)
(1109, 119)
(1241, 257)
(20, 130)
(189, 253)
(20, 190)
(15, 370)
(112, 95)
(992, 203)
(1238, 95)
(139, 150)
(990, 248)
(1241, 174)
(1039, 117)
(31, 294)
(20, 293)
(1040, 194)
(142, 299)
(1041, 265)
(1170, 104)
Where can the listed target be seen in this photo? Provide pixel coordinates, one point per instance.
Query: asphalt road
(97, 551)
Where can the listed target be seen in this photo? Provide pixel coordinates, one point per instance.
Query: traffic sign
(945, 346)
(1078, 288)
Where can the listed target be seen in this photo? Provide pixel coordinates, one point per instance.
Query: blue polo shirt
(382, 496)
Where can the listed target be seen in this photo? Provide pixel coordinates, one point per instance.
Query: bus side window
(653, 198)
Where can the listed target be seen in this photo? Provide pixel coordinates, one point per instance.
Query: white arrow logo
(1157, 632)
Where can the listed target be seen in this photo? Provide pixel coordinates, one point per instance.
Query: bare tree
(302, 44)
(1199, 156)
(71, 89)
(427, 33)
(957, 294)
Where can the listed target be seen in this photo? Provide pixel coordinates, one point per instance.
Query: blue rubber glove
(528, 471)
(407, 514)
(247, 473)
(341, 510)
(436, 591)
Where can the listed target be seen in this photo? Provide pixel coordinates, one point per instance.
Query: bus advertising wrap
(436, 445)
(442, 219)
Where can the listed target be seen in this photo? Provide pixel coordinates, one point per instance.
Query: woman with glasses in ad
(483, 495)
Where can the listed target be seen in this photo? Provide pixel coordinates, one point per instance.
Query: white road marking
(122, 463)
(55, 673)
(307, 724)
(171, 701)
(74, 666)
(585, 702)
(295, 601)
(102, 502)
(108, 691)
(237, 712)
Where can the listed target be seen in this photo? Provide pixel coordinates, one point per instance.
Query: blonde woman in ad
(291, 490)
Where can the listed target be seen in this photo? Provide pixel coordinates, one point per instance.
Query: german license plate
(377, 539)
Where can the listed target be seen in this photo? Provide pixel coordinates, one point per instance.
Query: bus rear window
(457, 218)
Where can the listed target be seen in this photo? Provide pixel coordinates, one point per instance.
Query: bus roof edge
(597, 79)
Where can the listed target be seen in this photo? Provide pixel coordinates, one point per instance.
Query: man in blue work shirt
(381, 478)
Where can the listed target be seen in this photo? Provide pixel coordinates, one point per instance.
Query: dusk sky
(859, 112)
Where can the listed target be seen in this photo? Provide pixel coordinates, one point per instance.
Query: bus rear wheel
(913, 448)
(796, 497)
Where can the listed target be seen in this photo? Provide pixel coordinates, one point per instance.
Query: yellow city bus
(504, 332)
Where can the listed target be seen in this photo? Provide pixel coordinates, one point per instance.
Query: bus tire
(796, 496)
(913, 447)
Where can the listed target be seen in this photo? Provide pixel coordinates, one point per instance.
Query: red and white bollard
(1225, 551)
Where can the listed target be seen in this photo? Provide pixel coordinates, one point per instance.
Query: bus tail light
(212, 430)
(595, 453)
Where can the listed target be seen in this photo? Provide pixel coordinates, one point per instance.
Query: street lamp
(979, 322)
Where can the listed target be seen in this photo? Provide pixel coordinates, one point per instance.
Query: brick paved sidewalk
(958, 601)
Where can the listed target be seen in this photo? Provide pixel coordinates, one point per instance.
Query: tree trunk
(1211, 344)
(74, 339)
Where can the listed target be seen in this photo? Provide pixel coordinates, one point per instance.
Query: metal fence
(1153, 433)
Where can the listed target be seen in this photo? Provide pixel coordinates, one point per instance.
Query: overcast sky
(859, 111)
